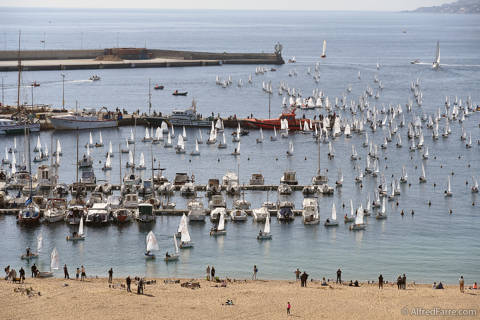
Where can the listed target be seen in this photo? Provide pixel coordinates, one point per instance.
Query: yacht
(196, 212)
(187, 118)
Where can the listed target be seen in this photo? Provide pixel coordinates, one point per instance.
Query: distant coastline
(457, 7)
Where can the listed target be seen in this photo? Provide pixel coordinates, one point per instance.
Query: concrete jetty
(117, 58)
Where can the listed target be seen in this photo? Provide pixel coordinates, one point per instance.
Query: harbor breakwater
(116, 58)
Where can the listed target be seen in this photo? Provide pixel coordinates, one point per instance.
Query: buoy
(402, 212)
(413, 212)
(343, 205)
(305, 158)
(450, 211)
(429, 203)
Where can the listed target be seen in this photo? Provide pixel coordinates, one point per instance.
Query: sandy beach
(94, 299)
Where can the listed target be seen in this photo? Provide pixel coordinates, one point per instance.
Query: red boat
(293, 123)
(35, 84)
(158, 87)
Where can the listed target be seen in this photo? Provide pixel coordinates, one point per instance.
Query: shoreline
(61, 298)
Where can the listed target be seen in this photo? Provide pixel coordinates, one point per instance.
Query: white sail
(238, 147)
(267, 225)
(39, 144)
(175, 243)
(131, 135)
(54, 262)
(14, 164)
(152, 244)
(437, 54)
(324, 49)
(383, 207)
(261, 134)
(180, 142)
(290, 147)
(101, 139)
(351, 208)
(157, 133)
(423, 171)
(183, 223)
(185, 234)
(59, 146)
(224, 139)
(6, 153)
(80, 227)
(39, 242)
(184, 132)
(169, 138)
(147, 134)
(359, 218)
(449, 187)
(142, 160)
(164, 126)
(196, 146)
(130, 157)
(108, 163)
(90, 141)
(334, 212)
(200, 134)
(88, 150)
(110, 147)
(221, 222)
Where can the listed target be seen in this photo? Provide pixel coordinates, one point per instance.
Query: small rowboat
(31, 256)
(176, 93)
(158, 87)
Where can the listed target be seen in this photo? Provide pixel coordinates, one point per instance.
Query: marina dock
(122, 58)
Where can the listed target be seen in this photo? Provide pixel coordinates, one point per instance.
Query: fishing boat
(187, 118)
(175, 256)
(8, 126)
(289, 116)
(310, 211)
(332, 221)
(436, 62)
(219, 229)
(54, 265)
(76, 236)
(152, 245)
(265, 234)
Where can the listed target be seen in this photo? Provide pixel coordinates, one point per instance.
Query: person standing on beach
(462, 284)
(304, 278)
(380, 282)
(288, 308)
(129, 281)
(297, 274)
(78, 273)
(255, 270)
(84, 275)
(208, 273)
(339, 276)
(213, 273)
(140, 286)
(32, 268)
(404, 282)
(22, 274)
(65, 272)
(110, 275)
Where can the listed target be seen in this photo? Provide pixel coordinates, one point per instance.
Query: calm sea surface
(430, 246)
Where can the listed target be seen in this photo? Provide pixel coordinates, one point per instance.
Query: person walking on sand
(339, 276)
(212, 272)
(65, 272)
(462, 284)
(110, 275)
(297, 274)
(380, 282)
(78, 273)
(129, 281)
(84, 275)
(255, 270)
(208, 273)
(288, 308)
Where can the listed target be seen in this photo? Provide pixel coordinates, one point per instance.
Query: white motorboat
(74, 121)
(196, 211)
(310, 211)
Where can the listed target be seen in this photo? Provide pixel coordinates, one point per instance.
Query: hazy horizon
(280, 5)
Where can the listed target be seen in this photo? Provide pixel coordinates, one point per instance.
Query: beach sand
(93, 299)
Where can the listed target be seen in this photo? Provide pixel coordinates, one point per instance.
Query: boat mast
(134, 144)
(19, 71)
(77, 162)
(149, 98)
(27, 137)
(120, 156)
(151, 156)
(269, 99)
(318, 157)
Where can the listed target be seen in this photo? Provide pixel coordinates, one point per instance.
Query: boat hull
(74, 124)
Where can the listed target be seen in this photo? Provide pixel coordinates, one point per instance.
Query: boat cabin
(289, 177)
(88, 177)
(257, 179)
(180, 178)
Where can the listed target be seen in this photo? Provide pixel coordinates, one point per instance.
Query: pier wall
(50, 54)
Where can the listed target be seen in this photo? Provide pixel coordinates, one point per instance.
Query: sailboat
(147, 137)
(220, 228)
(404, 177)
(290, 149)
(324, 49)
(6, 160)
(131, 140)
(130, 162)
(448, 192)
(436, 62)
(200, 138)
(265, 235)
(184, 134)
(108, 163)
(195, 152)
(127, 149)
(475, 185)
(141, 165)
(152, 245)
(339, 181)
(425, 154)
(223, 143)
(168, 144)
(423, 177)
(100, 142)
(359, 224)
(175, 256)
(180, 147)
(274, 137)
(331, 151)
(332, 221)
(382, 214)
(32, 255)
(90, 141)
(236, 151)
(158, 136)
(185, 240)
(54, 265)
(59, 149)
(38, 147)
(77, 235)
(350, 218)
(260, 140)
(110, 149)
